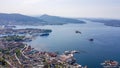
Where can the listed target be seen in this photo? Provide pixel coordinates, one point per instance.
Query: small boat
(110, 64)
(67, 52)
(78, 32)
(74, 51)
(9, 26)
(91, 39)
(45, 34)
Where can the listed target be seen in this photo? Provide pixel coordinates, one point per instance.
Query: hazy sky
(67, 8)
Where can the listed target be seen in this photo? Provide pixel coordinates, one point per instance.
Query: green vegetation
(14, 38)
(5, 51)
(17, 51)
(2, 62)
(0, 50)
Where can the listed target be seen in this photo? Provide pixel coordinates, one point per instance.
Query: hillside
(59, 20)
(108, 22)
(18, 19)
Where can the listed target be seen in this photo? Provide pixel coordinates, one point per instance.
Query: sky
(65, 8)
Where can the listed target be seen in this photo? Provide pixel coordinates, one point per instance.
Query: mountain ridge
(20, 19)
(107, 22)
(59, 20)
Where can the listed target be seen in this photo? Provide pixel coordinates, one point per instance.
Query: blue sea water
(106, 44)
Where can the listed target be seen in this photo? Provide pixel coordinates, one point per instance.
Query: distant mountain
(19, 19)
(108, 22)
(59, 20)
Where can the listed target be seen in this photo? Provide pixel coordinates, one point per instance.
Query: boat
(44, 34)
(74, 51)
(91, 39)
(110, 64)
(77, 32)
(67, 52)
(9, 26)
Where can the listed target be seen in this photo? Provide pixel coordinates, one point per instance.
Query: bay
(106, 44)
